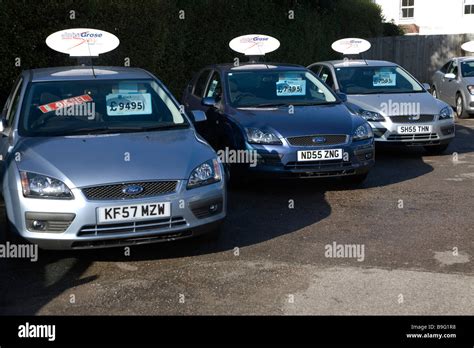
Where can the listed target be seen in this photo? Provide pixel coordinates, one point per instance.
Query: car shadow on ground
(259, 213)
(266, 209)
(26, 286)
(464, 141)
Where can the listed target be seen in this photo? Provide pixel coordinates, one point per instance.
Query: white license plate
(134, 212)
(415, 129)
(319, 155)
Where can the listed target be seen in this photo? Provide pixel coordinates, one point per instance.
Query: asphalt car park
(412, 215)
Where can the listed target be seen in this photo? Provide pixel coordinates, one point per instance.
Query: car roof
(358, 62)
(69, 73)
(465, 59)
(255, 66)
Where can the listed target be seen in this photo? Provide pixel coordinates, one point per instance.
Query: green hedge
(154, 37)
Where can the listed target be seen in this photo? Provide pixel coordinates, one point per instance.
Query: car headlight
(470, 88)
(371, 115)
(40, 186)
(446, 113)
(257, 136)
(362, 132)
(205, 174)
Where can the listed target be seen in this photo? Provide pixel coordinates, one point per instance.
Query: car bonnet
(388, 103)
(98, 159)
(323, 119)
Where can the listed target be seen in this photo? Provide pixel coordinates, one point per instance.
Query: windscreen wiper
(166, 127)
(109, 130)
(392, 92)
(268, 105)
(292, 104)
(377, 92)
(81, 131)
(315, 103)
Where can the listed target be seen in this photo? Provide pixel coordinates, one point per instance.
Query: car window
(453, 68)
(214, 89)
(444, 68)
(66, 107)
(315, 68)
(7, 104)
(467, 68)
(259, 88)
(201, 83)
(15, 102)
(326, 76)
(376, 80)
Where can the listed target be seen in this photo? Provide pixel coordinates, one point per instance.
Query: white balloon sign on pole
(82, 42)
(254, 44)
(468, 46)
(351, 46)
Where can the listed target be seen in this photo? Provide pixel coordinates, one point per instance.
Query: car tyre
(460, 110)
(436, 149)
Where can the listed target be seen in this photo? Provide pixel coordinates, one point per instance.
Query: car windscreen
(376, 80)
(467, 68)
(278, 87)
(91, 106)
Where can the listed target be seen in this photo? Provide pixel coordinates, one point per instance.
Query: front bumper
(73, 224)
(282, 161)
(442, 132)
(469, 107)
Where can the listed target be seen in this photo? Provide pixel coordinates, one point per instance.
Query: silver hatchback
(103, 157)
(454, 84)
(399, 109)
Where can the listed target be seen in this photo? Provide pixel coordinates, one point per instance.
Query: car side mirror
(427, 86)
(209, 101)
(342, 96)
(199, 116)
(450, 76)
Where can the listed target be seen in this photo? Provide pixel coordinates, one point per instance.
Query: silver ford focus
(399, 109)
(99, 157)
(454, 84)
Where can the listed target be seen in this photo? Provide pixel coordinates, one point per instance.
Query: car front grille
(379, 132)
(447, 130)
(131, 227)
(206, 208)
(308, 140)
(115, 191)
(270, 159)
(406, 119)
(407, 137)
(49, 222)
(115, 242)
(318, 165)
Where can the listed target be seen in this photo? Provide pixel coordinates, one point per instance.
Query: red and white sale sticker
(65, 103)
